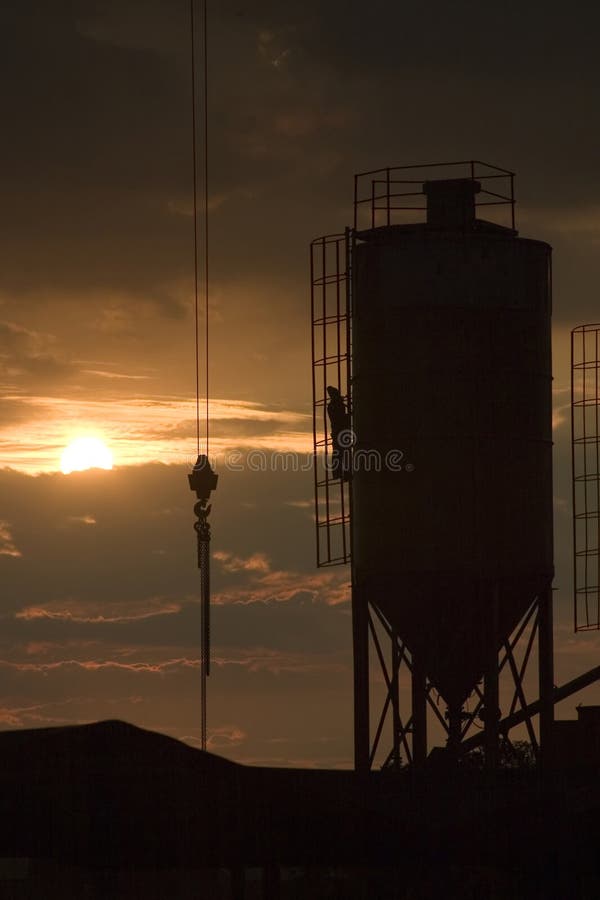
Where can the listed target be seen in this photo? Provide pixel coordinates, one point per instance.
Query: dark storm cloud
(117, 553)
(30, 354)
(15, 411)
(90, 173)
(303, 95)
(141, 542)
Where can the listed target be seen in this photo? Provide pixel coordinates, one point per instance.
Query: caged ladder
(331, 311)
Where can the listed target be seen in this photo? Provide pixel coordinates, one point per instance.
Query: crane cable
(202, 509)
(206, 282)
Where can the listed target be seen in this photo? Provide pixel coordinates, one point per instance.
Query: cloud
(265, 585)
(139, 429)
(18, 410)
(36, 716)
(7, 544)
(578, 222)
(65, 615)
(258, 562)
(224, 737)
(261, 659)
(115, 375)
(82, 520)
(561, 415)
(95, 665)
(28, 353)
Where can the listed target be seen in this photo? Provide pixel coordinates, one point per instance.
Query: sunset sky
(100, 614)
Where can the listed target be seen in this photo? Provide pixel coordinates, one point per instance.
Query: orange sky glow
(101, 615)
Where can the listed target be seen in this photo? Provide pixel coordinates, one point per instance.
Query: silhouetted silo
(449, 391)
(452, 366)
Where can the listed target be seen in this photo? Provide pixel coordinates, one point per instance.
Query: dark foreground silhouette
(110, 810)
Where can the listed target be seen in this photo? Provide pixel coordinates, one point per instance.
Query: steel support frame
(399, 736)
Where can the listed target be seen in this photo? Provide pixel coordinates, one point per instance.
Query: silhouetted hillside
(111, 795)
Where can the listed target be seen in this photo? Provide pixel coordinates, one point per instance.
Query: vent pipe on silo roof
(451, 202)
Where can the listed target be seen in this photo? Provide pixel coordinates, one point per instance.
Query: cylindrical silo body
(452, 488)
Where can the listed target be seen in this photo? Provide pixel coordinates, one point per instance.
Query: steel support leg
(419, 712)
(395, 692)
(454, 727)
(491, 691)
(546, 673)
(360, 639)
(492, 732)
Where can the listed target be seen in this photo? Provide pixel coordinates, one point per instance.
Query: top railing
(394, 195)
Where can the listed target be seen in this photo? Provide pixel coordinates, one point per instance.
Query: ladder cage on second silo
(585, 425)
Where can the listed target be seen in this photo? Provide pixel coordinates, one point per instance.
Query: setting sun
(85, 453)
